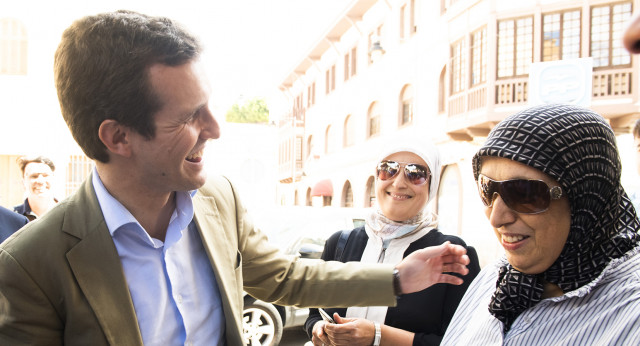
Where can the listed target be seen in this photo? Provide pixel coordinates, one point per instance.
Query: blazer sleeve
(271, 276)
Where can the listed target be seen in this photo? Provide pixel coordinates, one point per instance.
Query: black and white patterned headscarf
(576, 147)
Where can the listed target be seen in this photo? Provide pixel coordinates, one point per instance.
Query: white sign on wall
(562, 81)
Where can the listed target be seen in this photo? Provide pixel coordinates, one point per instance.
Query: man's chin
(199, 181)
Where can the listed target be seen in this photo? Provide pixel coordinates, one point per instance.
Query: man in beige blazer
(133, 93)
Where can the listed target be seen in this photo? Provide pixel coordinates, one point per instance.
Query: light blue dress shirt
(173, 287)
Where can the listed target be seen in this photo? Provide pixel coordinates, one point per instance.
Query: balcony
(475, 111)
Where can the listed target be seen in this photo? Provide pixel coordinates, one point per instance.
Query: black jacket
(426, 313)
(10, 222)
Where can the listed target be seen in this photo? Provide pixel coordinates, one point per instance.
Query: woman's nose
(499, 213)
(400, 178)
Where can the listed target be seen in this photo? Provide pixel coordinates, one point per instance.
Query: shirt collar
(116, 215)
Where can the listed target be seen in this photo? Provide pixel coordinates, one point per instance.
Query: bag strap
(342, 243)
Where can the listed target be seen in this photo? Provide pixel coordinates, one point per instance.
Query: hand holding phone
(325, 316)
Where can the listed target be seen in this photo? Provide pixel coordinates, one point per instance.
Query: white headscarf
(428, 152)
(388, 240)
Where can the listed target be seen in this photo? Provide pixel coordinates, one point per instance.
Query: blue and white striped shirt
(604, 312)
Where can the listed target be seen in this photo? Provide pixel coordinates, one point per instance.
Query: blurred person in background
(150, 250)
(407, 179)
(549, 178)
(37, 176)
(10, 222)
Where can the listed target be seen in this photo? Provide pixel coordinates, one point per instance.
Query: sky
(250, 45)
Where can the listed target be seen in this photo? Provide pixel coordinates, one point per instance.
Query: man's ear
(115, 137)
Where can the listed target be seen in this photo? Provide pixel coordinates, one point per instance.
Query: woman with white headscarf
(407, 178)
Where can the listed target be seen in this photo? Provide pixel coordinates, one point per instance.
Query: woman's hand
(348, 331)
(319, 337)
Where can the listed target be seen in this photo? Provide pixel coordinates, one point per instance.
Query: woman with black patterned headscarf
(549, 178)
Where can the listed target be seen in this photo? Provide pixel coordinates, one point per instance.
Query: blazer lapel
(223, 254)
(96, 265)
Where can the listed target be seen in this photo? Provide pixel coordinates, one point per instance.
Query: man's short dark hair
(636, 129)
(101, 72)
(25, 160)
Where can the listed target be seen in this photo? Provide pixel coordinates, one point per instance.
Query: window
(373, 119)
(298, 107)
(403, 20)
(299, 153)
(349, 132)
(441, 90)
(329, 143)
(78, 170)
(479, 57)
(13, 47)
(333, 77)
(311, 95)
(347, 195)
(330, 76)
(350, 64)
(327, 82)
(308, 198)
(561, 36)
(406, 105)
(370, 197)
(354, 60)
(407, 19)
(309, 146)
(607, 27)
(457, 67)
(515, 47)
(347, 63)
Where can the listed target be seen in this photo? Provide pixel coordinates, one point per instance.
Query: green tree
(252, 111)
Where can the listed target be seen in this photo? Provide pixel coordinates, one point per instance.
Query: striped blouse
(604, 312)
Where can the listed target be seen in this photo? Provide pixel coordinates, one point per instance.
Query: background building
(447, 71)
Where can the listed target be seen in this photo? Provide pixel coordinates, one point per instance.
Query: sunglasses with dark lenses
(520, 195)
(414, 173)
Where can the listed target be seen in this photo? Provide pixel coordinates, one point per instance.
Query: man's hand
(426, 267)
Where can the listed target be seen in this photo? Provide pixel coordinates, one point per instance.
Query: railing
(607, 84)
(612, 83)
(477, 97)
(456, 104)
(512, 91)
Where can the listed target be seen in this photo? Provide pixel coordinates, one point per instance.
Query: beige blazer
(64, 283)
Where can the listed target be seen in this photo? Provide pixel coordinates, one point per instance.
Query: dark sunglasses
(520, 195)
(415, 174)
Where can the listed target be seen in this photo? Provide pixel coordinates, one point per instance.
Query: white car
(300, 231)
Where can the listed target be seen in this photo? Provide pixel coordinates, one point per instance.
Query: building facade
(31, 123)
(447, 71)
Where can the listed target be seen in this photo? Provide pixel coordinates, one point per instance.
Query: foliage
(252, 111)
